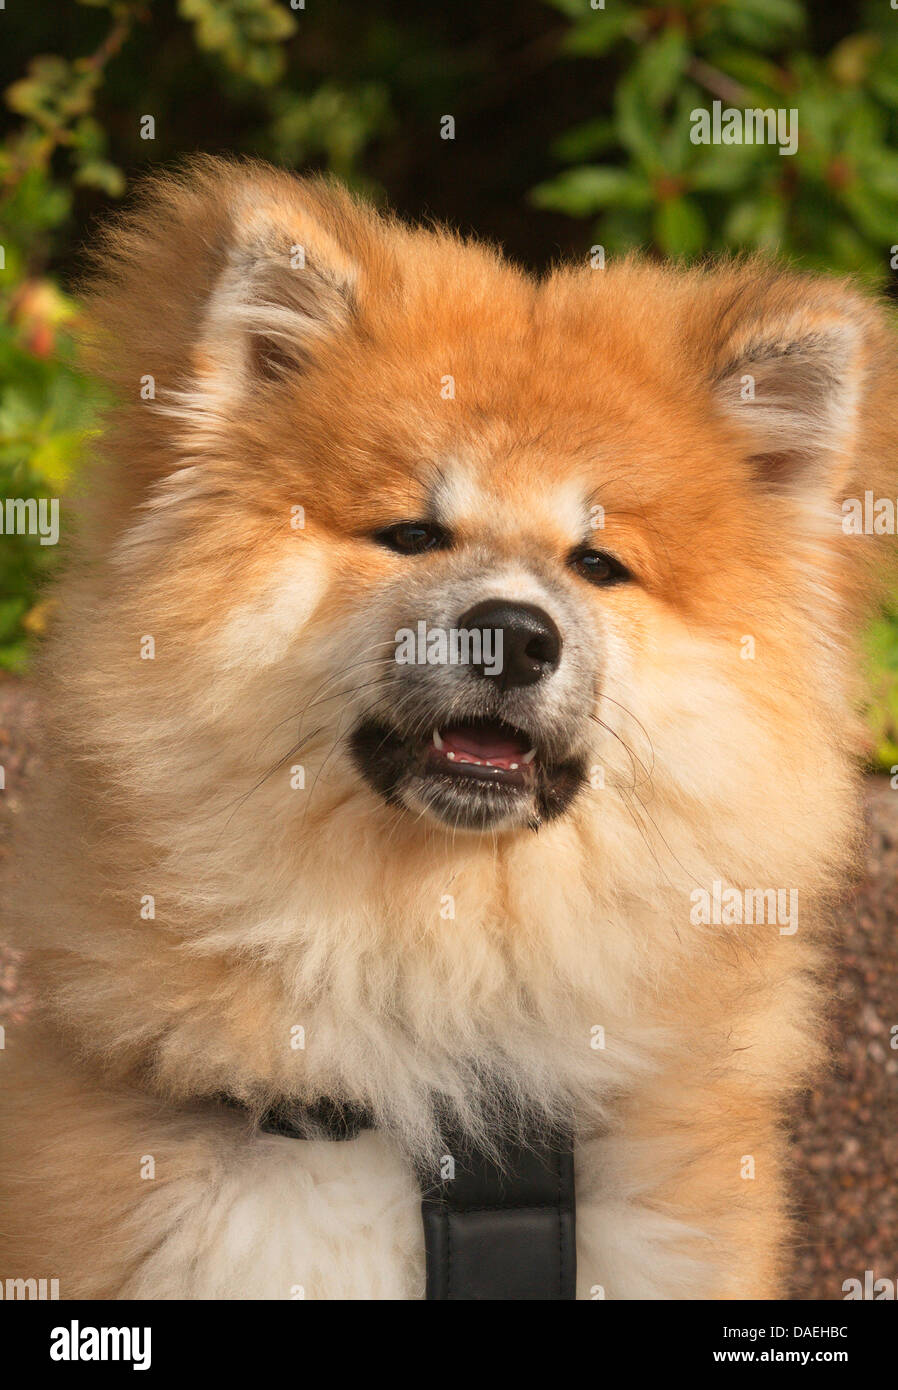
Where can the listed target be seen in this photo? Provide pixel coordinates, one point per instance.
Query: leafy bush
(47, 409)
(832, 204)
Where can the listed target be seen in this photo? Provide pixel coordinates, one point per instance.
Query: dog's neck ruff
(495, 1227)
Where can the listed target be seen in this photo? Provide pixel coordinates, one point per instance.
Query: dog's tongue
(486, 744)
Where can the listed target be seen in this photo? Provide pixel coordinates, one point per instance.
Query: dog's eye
(413, 537)
(598, 567)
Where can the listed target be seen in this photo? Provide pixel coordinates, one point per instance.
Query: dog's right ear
(225, 278)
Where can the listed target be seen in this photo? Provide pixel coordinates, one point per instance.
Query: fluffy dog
(269, 861)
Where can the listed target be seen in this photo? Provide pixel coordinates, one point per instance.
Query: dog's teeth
(437, 741)
(451, 757)
(528, 757)
(513, 767)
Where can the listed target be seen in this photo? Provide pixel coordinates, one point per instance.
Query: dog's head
(478, 549)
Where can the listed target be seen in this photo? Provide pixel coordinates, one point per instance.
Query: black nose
(531, 643)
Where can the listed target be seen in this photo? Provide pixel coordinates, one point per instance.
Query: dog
(574, 858)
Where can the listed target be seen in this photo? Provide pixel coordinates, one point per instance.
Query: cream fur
(325, 910)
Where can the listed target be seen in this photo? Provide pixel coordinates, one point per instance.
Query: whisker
(281, 762)
(639, 724)
(627, 749)
(334, 675)
(689, 874)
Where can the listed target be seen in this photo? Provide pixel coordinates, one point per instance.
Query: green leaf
(725, 168)
(851, 60)
(659, 67)
(879, 173)
(11, 612)
(14, 657)
(680, 228)
(584, 190)
(592, 137)
(638, 129)
(757, 222)
(874, 214)
(624, 229)
(596, 31)
(247, 35)
(763, 24)
(99, 173)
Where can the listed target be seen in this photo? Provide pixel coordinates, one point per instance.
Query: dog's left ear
(789, 363)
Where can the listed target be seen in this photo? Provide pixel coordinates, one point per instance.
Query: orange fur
(170, 776)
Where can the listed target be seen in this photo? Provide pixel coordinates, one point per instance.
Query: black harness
(495, 1227)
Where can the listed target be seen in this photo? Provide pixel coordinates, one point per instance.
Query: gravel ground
(845, 1130)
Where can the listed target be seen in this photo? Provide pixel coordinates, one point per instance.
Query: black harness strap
(502, 1231)
(495, 1228)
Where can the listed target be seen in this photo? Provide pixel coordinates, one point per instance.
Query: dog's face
(486, 725)
(475, 551)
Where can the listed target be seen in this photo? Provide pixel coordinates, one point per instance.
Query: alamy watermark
(86, 1343)
(872, 1288)
(39, 1289)
(872, 516)
(31, 516)
(727, 125)
(731, 907)
(453, 646)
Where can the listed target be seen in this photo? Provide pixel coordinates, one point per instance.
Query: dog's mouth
(487, 751)
(474, 774)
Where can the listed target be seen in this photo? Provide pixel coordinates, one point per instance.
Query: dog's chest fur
(293, 1219)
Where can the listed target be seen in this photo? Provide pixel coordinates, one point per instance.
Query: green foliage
(246, 34)
(332, 122)
(47, 404)
(47, 409)
(832, 204)
(882, 681)
(56, 98)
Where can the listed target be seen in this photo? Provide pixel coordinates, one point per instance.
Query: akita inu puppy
(269, 863)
